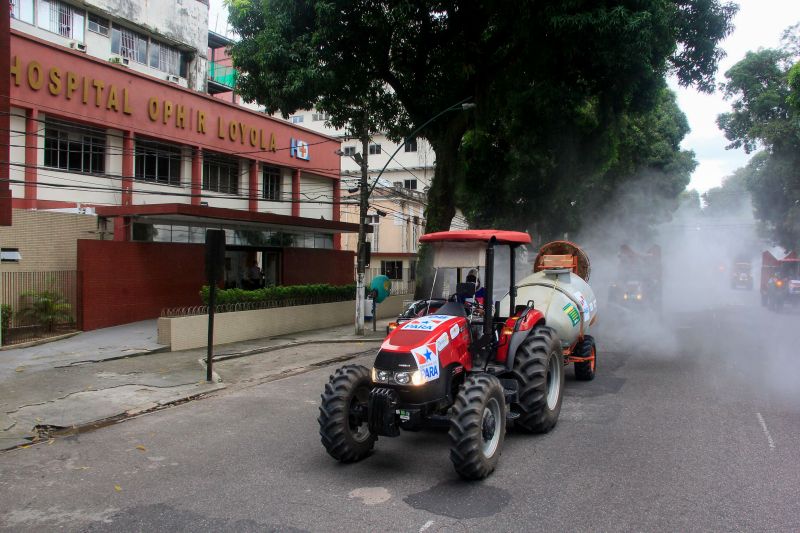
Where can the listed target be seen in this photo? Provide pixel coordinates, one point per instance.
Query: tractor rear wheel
(539, 369)
(478, 426)
(584, 371)
(343, 414)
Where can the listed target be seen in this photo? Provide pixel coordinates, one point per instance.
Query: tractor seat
(452, 309)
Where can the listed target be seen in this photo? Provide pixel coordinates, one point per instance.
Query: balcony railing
(222, 74)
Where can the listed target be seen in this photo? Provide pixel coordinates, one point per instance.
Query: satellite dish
(380, 286)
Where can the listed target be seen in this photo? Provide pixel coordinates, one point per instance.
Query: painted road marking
(765, 430)
(426, 525)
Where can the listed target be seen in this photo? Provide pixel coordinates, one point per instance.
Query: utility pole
(361, 262)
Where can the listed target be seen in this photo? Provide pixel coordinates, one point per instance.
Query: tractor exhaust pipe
(488, 315)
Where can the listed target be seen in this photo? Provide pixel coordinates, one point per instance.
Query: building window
(296, 119)
(412, 271)
(271, 183)
(10, 255)
(129, 44)
(410, 184)
(220, 173)
(392, 269)
(158, 162)
(76, 149)
(373, 219)
(411, 146)
(98, 24)
(22, 10)
(166, 59)
(374, 149)
(320, 117)
(350, 151)
(61, 18)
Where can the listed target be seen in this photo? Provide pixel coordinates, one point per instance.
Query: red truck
(780, 280)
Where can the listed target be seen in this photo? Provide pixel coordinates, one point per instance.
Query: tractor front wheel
(539, 369)
(584, 371)
(478, 426)
(343, 414)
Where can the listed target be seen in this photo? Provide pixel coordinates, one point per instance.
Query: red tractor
(472, 367)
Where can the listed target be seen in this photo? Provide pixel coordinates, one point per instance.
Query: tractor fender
(524, 326)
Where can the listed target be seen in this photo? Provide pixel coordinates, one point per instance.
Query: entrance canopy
(201, 215)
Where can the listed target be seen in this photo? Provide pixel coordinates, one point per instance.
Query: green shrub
(47, 308)
(318, 293)
(5, 318)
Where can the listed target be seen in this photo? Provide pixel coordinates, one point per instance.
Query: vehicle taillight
(779, 283)
(392, 326)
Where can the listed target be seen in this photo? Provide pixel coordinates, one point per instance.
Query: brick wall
(124, 282)
(47, 241)
(312, 265)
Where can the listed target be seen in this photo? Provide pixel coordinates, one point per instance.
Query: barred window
(374, 149)
(319, 117)
(392, 269)
(74, 148)
(166, 58)
(220, 173)
(129, 44)
(158, 162)
(271, 178)
(61, 18)
(411, 145)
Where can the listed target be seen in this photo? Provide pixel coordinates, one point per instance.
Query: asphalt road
(689, 426)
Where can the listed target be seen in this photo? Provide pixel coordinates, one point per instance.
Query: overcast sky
(759, 24)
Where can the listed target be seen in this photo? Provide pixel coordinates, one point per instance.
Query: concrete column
(197, 175)
(296, 193)
(128, 147)
(252, 194)
(31, 157)
(121, 228)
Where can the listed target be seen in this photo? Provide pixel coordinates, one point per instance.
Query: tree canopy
(576, 61)
(765, 91)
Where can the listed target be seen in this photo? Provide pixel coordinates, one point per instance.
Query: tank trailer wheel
(585, 371)
(477, 426)
(343, 414)
(539, 369)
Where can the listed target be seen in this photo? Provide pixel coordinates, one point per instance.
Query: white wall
(17, 151)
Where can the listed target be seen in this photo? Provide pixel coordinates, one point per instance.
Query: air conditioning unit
(117, 60)
(173, 78)
(80, 47)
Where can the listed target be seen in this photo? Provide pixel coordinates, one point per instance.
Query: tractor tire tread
(333, 414)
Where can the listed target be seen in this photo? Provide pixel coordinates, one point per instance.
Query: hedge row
(318, 293)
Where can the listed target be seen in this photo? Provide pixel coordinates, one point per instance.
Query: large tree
(765, 115)
(419, 58)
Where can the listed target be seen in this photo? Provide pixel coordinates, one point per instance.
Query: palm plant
(47, 308)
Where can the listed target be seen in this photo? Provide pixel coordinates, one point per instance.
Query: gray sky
(759, 24)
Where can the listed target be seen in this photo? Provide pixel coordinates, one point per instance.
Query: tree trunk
(441, 208)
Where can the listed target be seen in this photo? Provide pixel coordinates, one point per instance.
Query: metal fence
(41, 304)
(172, 312)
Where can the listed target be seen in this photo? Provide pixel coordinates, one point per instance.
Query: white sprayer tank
(565, 299)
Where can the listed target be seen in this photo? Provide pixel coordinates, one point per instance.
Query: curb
(114, 419)
(266, 349)
(39, 341)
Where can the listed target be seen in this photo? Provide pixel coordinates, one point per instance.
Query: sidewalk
(101, 376)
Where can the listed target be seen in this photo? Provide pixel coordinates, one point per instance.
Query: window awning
(223, 217)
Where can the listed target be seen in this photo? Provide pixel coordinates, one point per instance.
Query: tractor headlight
(402, 378)
(380, 376)
(625, 296)
(638, 296)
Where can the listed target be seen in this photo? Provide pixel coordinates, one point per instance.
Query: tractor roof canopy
(467, 248)
(478, 235)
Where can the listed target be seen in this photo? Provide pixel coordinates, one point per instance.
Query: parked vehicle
(473, 368)
(780, 281)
